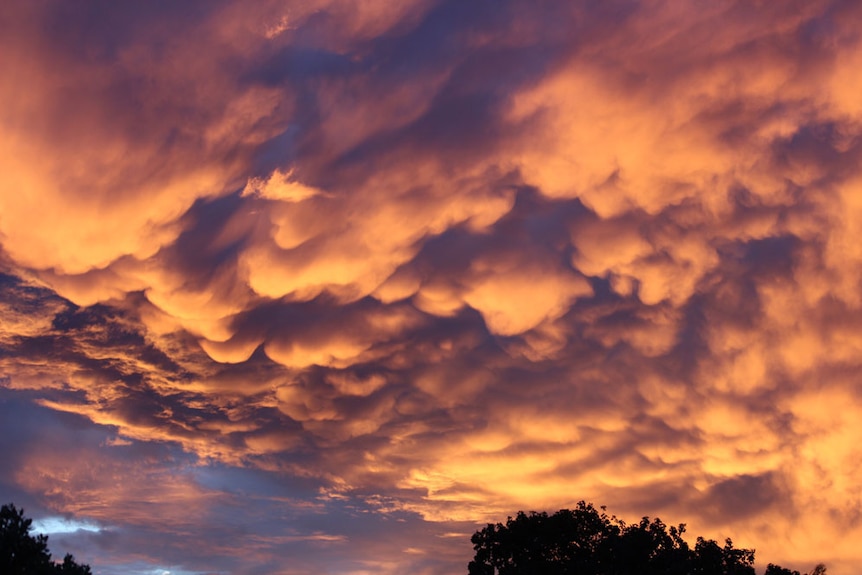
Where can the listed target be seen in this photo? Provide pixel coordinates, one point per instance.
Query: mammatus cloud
(323, 287)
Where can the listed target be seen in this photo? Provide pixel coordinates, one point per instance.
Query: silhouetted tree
(710, 559)
(25, 554)
(569, 541)
(776, 570)
(586, 541)
(650, 548)
(69, 567)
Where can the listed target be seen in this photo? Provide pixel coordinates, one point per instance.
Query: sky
(324, 286)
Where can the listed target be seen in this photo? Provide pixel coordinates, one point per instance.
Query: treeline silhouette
(586, 541)
(24, 554)
(582, 541)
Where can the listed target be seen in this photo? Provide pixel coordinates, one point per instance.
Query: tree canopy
(24, 554)
(587, 541)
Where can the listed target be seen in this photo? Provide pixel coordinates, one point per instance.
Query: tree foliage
(25, 554)
(587, 541)
(776, 570)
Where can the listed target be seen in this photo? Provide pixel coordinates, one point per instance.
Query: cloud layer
(324, 286)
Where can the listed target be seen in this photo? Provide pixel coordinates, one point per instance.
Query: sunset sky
(324, 286)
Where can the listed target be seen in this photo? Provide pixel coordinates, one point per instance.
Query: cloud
(330, 280)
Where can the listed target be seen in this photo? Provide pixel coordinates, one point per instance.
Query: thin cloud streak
(316, 285)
